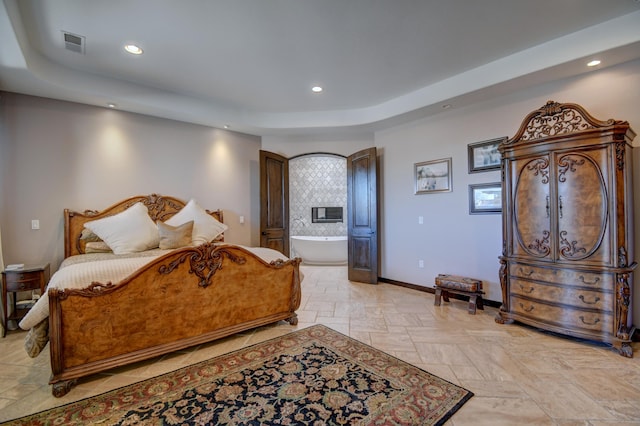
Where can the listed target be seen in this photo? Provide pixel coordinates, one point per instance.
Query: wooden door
(533, 207)
(582, 207)
(274, 202)
(362, 210)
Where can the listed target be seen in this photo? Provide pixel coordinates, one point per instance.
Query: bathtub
(320, 250)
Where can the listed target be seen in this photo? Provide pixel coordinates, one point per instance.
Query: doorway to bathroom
(317, 208)
(278, 219)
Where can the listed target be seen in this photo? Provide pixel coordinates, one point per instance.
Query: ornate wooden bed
(187, 297)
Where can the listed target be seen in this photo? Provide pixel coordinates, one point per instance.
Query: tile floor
(520, 376)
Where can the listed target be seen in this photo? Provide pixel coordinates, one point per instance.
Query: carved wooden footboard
(190, 296)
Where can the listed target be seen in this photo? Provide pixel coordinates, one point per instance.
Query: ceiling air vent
(73, 42)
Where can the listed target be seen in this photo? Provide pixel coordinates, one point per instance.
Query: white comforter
(80, 275)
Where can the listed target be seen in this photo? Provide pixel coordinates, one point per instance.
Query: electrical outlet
(35, 224)
(420, 220)
(420, 263)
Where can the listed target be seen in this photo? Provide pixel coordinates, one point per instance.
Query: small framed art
(433, 176)
(484, 156)
(485, 198)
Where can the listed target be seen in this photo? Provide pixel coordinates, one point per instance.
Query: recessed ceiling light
(133, 49)
(316, 89)
(111, 105)
(593, 63)
(226, 126)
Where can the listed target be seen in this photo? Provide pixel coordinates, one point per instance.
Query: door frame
(368, 274)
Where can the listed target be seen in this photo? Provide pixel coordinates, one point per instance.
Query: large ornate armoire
(568, 260)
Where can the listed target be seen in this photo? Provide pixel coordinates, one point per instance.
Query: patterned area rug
(314, 376)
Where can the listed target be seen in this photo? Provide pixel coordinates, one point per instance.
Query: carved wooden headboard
(160, 208)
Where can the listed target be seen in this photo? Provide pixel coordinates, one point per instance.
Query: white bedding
(74, 274)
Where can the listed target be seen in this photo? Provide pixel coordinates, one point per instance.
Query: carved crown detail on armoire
(567, 260)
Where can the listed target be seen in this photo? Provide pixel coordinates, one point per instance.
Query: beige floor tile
(393, 341)
(468, 372)
(480, 411)
(496, 364)
(605, 385)
(627, 410)
(442, 353)
(333, 320)
(445, 372)
(487, 388)
(411, 357)
(565, 401)
(370, 325)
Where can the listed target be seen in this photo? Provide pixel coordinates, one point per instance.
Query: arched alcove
(317, 180)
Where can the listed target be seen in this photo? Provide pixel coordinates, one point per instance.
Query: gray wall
(57, 155)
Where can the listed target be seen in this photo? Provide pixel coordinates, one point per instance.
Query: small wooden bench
(465, 286)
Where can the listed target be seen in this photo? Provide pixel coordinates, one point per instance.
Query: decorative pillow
(129, 231)
(87, 235)
(97, 247)
(205, 227)
(172, 237)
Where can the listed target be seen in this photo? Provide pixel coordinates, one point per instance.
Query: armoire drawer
(578, 297)
(563, 316)
(563, 276)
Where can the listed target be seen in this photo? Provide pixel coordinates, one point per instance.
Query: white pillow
(172, 237)
(129, 231)
(205, 227)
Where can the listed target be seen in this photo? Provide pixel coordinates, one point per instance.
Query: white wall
(64, 155)
(450, 240)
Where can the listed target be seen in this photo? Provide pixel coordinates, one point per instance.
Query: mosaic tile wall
(317, 181)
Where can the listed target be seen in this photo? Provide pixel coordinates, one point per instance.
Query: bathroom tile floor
(520, 376)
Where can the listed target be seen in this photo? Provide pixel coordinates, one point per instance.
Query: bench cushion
(456, 282)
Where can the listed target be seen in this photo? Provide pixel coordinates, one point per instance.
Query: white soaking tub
(320, 250)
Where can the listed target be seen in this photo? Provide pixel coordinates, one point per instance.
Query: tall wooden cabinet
(568, 259)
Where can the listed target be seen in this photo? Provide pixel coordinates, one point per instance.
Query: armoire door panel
(532, 208)
(582, 208)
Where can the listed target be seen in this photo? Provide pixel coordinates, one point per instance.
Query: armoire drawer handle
(560, 205)
(525, 309)
(597, 320)
(525, 291)
(547, 206)
(526, 274)
(581, 297)
(581, 278)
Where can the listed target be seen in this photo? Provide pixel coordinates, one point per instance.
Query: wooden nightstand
(31, 277)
